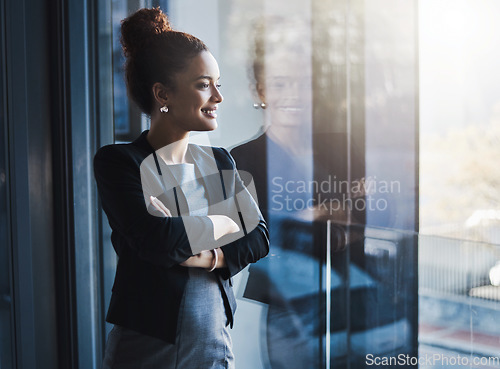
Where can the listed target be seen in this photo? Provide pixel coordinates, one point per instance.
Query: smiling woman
(193, 101)
(171, 206)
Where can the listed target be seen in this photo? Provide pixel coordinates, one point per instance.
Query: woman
(183, 223)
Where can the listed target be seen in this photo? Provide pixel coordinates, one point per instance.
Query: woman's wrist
(207, 259)
(221, 261)
(215, 259)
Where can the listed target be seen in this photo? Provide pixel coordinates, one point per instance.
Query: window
(376, 167)
(460, 217)
(6, 308)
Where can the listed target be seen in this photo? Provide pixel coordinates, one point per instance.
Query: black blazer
(149, 281)
(252, 158)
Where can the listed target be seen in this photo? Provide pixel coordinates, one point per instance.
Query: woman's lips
(209, 112)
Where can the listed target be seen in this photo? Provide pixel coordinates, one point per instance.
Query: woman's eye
(218, 85)
(207, 85)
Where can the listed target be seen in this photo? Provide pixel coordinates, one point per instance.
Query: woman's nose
(217, 96)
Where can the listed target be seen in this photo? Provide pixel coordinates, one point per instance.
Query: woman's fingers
(154, 202)
(201, 260)
(163, 207)
(159, 206)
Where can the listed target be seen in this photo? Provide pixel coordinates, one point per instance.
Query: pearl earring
(259, 106)
(164, 109)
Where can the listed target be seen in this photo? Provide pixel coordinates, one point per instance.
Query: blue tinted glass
(120, 100)
(397, 106)
(335, 173)
(6, 341)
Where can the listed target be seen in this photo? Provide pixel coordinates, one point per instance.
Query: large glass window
(374, 161)
(335, 170)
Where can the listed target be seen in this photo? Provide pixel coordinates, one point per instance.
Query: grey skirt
(203, 340)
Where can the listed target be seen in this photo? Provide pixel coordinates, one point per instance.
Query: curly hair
(154, 53)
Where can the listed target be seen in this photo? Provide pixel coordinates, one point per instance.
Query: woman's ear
(261, 92)
(160, 94)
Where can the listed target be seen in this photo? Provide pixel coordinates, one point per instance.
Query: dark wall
(28, 120)
(52, 289)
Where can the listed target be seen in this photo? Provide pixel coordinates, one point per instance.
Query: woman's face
(193, 104)
(287, 89)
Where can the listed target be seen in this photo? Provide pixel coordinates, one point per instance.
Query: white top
(185, 174)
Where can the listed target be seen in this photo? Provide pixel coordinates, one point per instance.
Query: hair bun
(141, 28)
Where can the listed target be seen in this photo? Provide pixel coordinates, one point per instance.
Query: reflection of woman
(281, 71)
(172, 298)
(281, 68)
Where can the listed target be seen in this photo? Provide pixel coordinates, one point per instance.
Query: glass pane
(340, 281)
(288, 284)
(343, 102)
(382, 74)
(6, 339)
(459, 180)
(120, 103)
(128, 120)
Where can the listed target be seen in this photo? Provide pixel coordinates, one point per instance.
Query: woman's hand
(202, 260)
(159, 206)
(205, 260)
(223, 225)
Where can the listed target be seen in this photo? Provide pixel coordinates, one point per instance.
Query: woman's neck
(171, 147)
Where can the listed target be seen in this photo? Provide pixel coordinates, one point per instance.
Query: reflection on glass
(318, 145)
(280, 160)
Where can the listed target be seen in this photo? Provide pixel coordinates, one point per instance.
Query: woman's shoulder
(114, 151)
(121, 154)
(111, 149)
(137, 149)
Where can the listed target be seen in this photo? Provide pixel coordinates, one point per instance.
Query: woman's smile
(210, 112)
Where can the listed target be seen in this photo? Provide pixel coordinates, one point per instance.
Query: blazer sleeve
(158, 240)
(254, 245)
